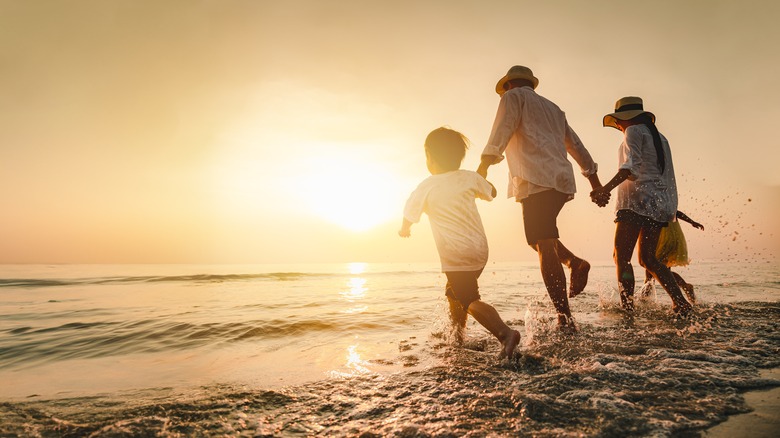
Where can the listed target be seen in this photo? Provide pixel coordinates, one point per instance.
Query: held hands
(600, 197)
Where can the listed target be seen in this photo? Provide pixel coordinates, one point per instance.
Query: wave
(196, 278)
(559, 385)
(29, 346)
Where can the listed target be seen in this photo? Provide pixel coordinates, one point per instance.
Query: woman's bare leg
(626, 235)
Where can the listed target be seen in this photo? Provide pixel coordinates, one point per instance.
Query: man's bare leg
(554, 280)
(578, 268)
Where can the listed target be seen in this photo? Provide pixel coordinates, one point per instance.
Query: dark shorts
(630, 217)
(463, 287)
(540, 215)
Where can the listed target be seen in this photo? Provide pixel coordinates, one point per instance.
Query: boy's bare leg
(626, 235)
(458, 318)
(579, 269)
(647, 244)
(487, 315)
(554, 280)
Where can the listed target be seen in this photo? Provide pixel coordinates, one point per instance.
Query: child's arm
(406, 229)
(683, 217)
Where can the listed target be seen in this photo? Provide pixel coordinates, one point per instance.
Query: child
(448, 197)
(672, 250)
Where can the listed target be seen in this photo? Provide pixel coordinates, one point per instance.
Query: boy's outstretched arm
(683, 217)
(406, 229)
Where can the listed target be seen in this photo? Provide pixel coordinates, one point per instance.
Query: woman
(646, 200)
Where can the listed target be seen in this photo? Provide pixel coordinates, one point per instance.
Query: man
(534, 134)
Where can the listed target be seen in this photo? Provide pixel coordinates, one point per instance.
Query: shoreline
(763, 421)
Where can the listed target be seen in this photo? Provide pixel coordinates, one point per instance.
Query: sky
(233, 131)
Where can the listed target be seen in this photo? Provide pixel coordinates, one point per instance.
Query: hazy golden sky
(291, 131)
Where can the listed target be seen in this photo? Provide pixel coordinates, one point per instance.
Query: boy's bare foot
(457, 335)
(579, 277)
(510, 342)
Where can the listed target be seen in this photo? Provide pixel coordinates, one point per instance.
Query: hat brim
(500, 85)
(609, 119)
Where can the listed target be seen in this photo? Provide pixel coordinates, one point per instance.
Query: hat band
(629, 107)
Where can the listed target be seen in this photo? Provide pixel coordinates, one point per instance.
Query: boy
(448, 197)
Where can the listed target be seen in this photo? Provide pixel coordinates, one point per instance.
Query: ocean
(364, 350)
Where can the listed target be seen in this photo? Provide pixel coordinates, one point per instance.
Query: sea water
(365, 350)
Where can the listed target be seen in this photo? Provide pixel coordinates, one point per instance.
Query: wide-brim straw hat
(626, 109)
(516, 72)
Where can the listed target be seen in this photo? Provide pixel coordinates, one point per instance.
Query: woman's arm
(601, 195)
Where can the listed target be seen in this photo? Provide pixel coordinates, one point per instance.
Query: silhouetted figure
(646, 200)
(448, 197)
(534, 134)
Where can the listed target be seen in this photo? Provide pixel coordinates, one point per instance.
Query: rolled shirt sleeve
(577, 150)
(507, 119)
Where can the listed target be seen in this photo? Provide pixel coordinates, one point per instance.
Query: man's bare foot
(566, 324)
(579, 277)
(510, 342)
(682, 310)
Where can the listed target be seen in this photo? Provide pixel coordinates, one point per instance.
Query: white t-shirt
(647, 192)
(449, 201)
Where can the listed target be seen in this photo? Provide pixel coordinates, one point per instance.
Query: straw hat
(516, 72)
(626, 109)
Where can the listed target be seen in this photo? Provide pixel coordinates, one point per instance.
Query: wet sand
(763, 422)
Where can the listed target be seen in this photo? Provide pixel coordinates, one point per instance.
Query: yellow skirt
(672, 249)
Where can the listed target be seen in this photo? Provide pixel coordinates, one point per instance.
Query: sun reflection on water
(356, 287)
(354, 364)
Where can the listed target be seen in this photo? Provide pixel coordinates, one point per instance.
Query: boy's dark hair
(446, 147)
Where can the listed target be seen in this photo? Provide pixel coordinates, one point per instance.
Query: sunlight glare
(354, 192)
(356, 268)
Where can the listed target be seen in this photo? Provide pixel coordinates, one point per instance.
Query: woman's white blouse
(647, 192)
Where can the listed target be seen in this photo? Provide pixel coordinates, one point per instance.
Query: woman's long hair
(645, 119)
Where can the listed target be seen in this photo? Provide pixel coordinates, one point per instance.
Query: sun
(355, 193)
